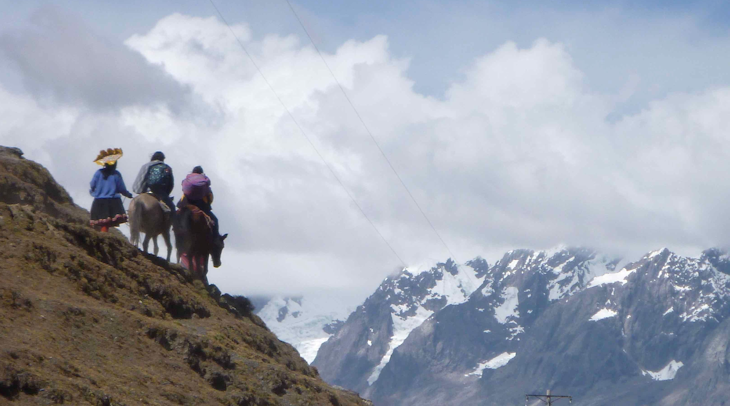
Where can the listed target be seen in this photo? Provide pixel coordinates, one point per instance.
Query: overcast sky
(601, 124)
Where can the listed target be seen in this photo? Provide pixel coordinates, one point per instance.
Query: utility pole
(548, 399)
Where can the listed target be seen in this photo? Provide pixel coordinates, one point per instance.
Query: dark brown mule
(146, 215)
(195, 241)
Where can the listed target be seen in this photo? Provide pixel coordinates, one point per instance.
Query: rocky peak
(25, 182)
(11, 151)
(694, 289)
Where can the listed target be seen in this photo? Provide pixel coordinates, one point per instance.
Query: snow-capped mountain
(570, 320)
(401, 303)
(301, 322)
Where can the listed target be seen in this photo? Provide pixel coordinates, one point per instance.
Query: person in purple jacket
(197, 192)
(106, 186)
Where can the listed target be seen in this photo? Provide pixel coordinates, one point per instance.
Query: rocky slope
(654, 331)
(86, 319)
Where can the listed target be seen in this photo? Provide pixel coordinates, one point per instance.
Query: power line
(305, 134)
(367, 129)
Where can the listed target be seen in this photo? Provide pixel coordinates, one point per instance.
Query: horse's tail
(135, 221)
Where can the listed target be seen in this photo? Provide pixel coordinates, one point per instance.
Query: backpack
(196, 186)
(159, 178)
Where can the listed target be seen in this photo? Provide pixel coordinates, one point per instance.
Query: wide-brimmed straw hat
(108, 156)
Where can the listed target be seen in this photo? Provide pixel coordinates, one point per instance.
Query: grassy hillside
(86, 319)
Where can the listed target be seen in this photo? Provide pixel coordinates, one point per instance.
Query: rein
(196, 211)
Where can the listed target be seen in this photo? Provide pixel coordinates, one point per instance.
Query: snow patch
(696, 314)
(609, 278)
(515, 331)
(568, 282)
(603, 314)
(457, 288)
(308, 348)
(671, 309)
(494, 363)
(402, 326)
(665, 374)
(559, 269)
(558, 290)
(509, 307)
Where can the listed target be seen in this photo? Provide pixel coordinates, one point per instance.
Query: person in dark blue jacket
(106, 186)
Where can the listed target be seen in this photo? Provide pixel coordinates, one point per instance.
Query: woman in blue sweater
(106, 186)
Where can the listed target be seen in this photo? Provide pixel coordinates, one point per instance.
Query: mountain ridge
(538, 317)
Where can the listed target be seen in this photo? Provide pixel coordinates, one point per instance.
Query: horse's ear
(224, 236)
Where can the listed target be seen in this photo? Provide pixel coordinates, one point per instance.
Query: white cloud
(61, 58)
(517, 154)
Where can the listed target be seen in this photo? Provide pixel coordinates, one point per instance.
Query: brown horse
(195, 240)
(146, 215)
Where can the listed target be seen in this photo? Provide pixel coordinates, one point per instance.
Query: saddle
(165, 208)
